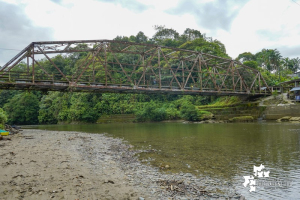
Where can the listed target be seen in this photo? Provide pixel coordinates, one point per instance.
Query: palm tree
(295, 64)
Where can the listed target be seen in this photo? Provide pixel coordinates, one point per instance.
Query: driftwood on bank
(3, 138)
(12, 129)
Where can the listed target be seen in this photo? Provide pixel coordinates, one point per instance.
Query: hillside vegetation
(22, 107)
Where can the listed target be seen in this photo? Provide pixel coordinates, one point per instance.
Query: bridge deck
(113, 88)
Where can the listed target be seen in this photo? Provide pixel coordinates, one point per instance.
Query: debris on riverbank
(39, 164)
(288, 119)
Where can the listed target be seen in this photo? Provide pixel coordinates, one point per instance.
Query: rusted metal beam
(88, 64)
(16, 57)
(54, 64)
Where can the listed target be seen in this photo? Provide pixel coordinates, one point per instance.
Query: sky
(241, 25)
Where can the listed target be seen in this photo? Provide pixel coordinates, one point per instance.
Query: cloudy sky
(242, 25)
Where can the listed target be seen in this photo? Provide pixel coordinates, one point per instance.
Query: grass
(223, 101)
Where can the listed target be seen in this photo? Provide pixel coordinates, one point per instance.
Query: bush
(172, 113)
(3, 118)
(151, 112)
(189, 112)
(205, 115)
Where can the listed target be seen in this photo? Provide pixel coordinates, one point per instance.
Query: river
(220, 151)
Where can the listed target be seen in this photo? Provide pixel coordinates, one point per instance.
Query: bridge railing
(52, 79)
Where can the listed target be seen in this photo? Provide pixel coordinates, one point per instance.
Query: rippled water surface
(222, 151)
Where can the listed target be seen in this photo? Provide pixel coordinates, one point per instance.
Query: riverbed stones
(294, 119)
(284, 119)
(289, 119)
(99, 154)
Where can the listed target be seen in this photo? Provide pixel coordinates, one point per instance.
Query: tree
(275, 59)
(23, 109)
(252, 64)
(190, 112)
(141, 38)
(191, 34)
(270, 58)
(295, 64)
(246, 56)
(214, 47)
(49, 108)
(163, 33)
(6, 95)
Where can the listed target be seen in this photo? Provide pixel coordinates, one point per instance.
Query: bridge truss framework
(117, 66)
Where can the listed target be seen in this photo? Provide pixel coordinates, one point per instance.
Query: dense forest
(33, 107)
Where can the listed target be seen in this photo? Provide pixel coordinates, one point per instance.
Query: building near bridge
(293, 88)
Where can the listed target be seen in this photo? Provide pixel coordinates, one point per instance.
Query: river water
(220, 151)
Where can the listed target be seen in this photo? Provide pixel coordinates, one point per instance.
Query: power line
(10, 49)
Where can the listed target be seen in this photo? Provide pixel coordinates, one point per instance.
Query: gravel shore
(40, 164)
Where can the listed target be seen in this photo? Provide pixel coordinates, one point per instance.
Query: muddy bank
(39, 164)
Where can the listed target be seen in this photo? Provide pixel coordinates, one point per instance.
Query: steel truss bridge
(124, 67)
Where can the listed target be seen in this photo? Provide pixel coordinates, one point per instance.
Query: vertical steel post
(241, 87)
(182, 74)
(232, 72)
(27, 65)
(33, 64)
(200, 71)
(144, 69)
(94, 70)
(159, 68)
(259, 83)
(105, 64)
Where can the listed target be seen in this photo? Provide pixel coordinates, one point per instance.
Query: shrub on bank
(242, 119)
(3, 118)
(189, 112)
(205, 115)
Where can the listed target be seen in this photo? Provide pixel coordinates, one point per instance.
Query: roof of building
(295, 89)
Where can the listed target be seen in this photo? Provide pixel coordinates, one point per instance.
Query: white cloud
(262, 24)
(91, 19)
(256, 24)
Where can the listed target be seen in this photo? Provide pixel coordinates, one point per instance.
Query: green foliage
(205, 115)
(68, 107)
(6, 95)
(3, 118)
(251, 63)
(54, 107)
(271, 64)
(187, 99)
(270, 78)
(171, 112)
(49, 108)
(275, 93)
(23, 109)
(190, 112)
(223, 101)
(151, 112)
(214, 47)
(246, 56)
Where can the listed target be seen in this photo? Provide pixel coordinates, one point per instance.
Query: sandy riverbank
(38, 164)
